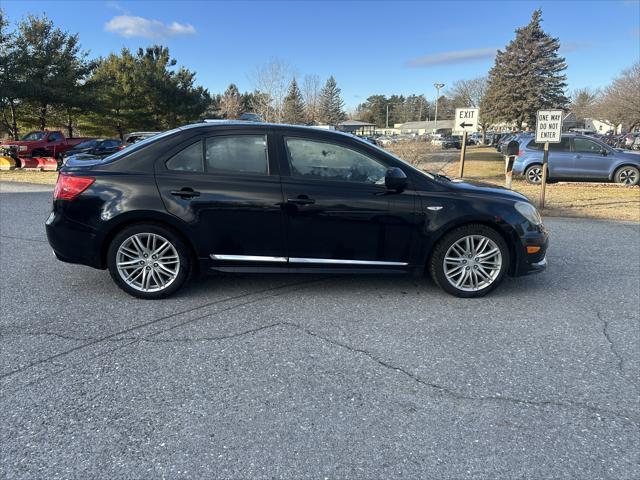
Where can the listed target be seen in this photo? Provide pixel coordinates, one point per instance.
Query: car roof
(265, 125)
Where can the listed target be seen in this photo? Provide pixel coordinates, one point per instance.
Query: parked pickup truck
(42, 144)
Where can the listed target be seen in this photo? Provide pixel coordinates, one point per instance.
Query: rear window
(139, 145)
(237, 154)
(87, 144)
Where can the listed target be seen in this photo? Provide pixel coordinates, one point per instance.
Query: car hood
(20, 142)
(482, 188)
(627, 155)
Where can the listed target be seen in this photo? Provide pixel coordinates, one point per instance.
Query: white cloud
(450, 58)
(131, 26)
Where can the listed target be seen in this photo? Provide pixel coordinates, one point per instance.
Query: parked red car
(42, 143)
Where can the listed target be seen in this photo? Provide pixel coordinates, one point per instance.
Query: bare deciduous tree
(621, 100)
(231, 103)
(584, 104)
(468, 93)
(271, 81)
(311, 97)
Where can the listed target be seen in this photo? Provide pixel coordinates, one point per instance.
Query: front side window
(328, 161)
(585, 145)
(188, 159)
(239, 154)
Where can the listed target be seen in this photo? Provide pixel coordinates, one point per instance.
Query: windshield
(34, 136)
(426, 174)
(87, 144)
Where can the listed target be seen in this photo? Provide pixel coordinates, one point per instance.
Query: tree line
(48, 81)
(528, 75)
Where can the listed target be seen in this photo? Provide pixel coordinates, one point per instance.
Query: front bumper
(528, 263)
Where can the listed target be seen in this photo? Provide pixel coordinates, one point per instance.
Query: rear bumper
(73, 242)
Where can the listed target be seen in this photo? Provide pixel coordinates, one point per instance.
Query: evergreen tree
(331, 110)
(527, 76)
(293, 105)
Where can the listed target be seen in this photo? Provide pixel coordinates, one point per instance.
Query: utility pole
(438, 87)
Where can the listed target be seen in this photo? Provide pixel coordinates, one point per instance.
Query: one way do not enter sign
(466, 120)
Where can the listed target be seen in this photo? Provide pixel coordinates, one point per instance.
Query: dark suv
(255, 197)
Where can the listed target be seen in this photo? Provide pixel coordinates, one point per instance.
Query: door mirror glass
(603, 152)
(395, 179)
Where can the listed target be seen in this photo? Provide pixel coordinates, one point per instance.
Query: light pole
(438, 87)
(388, 113)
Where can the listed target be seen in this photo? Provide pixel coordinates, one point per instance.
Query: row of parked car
(578, 157)
(54, 144)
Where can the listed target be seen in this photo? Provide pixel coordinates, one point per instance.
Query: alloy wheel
(628, 176)
(534, 174)
(472, 263)
(147, 262)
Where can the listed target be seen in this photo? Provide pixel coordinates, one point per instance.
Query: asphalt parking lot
(318, 376)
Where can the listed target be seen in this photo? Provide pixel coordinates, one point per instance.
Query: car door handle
(301, 200)
(185, 193)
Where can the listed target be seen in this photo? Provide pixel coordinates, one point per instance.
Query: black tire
(627, 175)
(437, 261)
(183, 269)
(533, 174)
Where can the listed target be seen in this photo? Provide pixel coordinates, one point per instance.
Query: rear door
(560, 159)
(338, 211)
(226, 188)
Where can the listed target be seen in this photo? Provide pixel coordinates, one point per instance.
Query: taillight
(69, 187)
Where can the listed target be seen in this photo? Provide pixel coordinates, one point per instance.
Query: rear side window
(563, 146)
(237, 154)
(188, 159)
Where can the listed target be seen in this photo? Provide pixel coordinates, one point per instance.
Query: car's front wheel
(470, 261)
(148, 261)
(627, 175)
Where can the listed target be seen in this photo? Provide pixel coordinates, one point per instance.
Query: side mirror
(395, 179)
(604, 152)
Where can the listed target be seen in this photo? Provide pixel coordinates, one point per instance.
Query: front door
(338, 210)
(589, 161)
(228, 193)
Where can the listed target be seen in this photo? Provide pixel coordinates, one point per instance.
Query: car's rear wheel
(470, 261)
(148, 261)
(533, 174)
(627, 175)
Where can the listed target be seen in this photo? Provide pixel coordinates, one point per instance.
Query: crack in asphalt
(385, 364)
(24, 239)
(115, 335)
(614, 350)
(459, 396)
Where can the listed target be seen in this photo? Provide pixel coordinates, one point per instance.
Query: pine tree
(293, 106)
(527, 76)
(331, 111)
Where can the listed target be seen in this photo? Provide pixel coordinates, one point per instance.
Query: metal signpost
(465, 120)
(548, 130)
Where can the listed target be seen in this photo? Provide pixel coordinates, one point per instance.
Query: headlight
(529, 212)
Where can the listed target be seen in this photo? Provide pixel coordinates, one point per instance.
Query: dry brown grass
(29, 176)
(592, 200)
(414, 152)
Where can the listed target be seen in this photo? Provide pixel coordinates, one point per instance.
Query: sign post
(548, 130)
(465, 120)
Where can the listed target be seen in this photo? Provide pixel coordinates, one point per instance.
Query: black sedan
(249, 197)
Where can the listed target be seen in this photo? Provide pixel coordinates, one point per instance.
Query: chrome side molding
(321, 261)
(248, 258)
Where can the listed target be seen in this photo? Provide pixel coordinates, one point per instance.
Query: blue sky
(370, 47)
